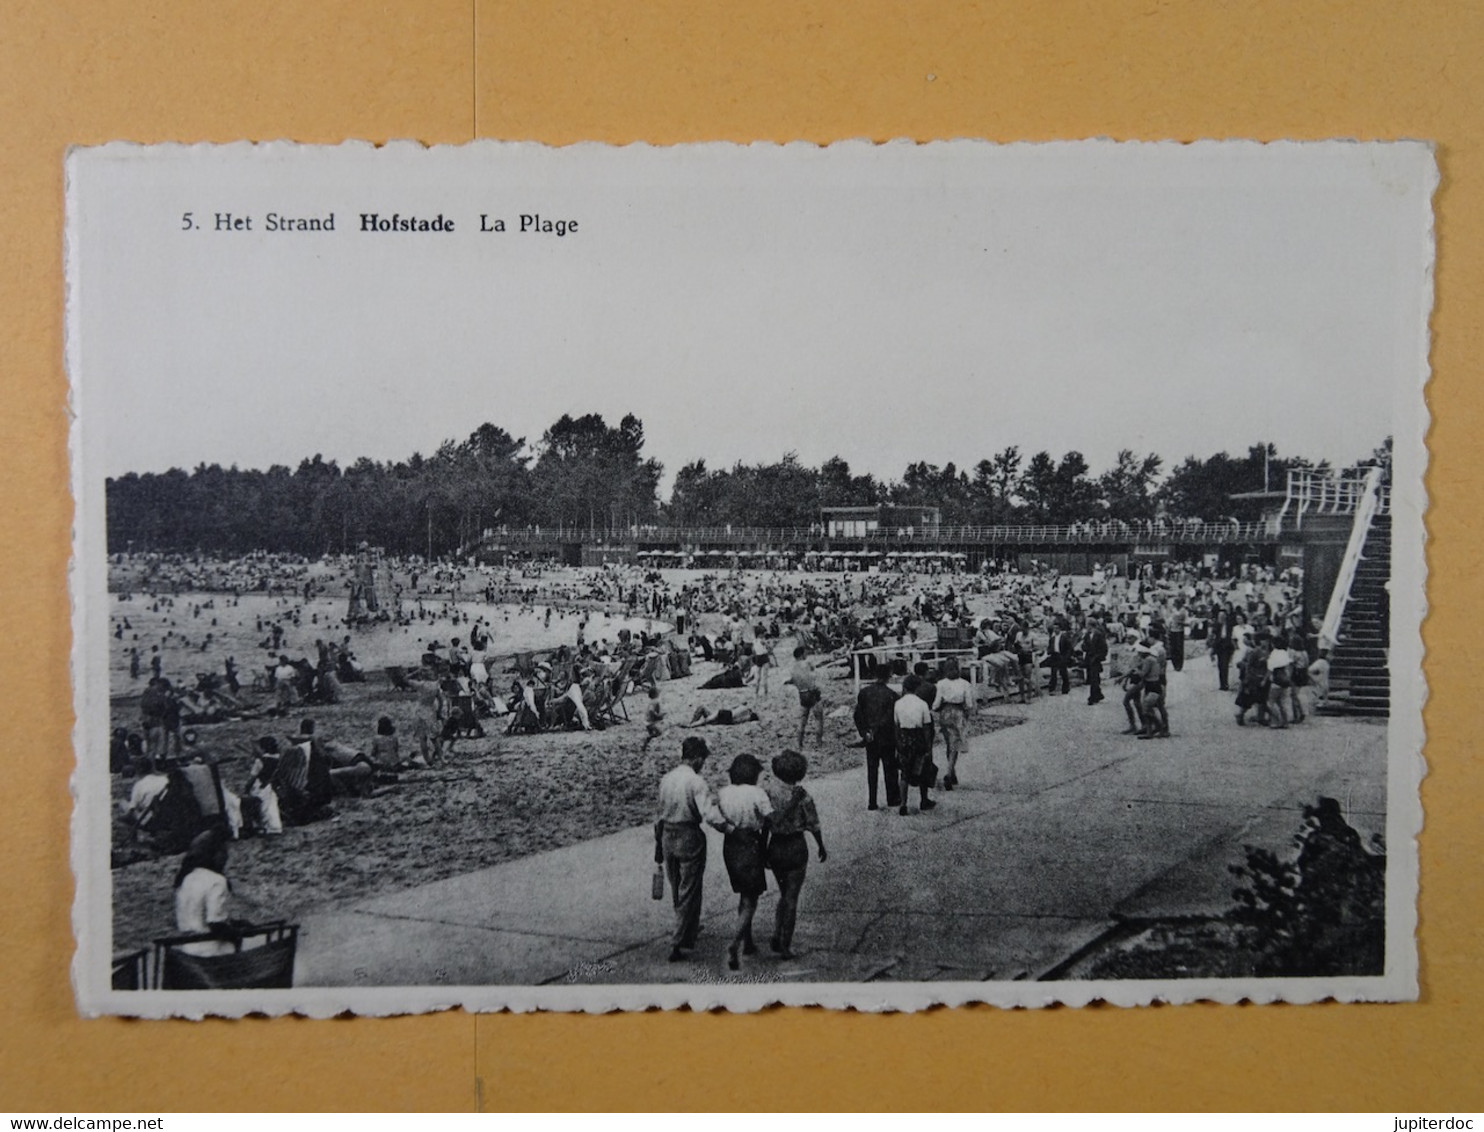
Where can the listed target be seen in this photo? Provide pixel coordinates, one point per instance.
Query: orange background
(567, 70)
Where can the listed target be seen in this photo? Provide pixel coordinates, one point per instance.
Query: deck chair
(561, 673)
(618, 708)
(131, 971)
(191, 803)
(599, 701)
(556, 709)
(646, 669)
(463, 717)
(268, 964)
(525, 722)
(303, 784)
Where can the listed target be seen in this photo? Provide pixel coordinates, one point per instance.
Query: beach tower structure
(365, 597)
(366, 571)
(1338, 526)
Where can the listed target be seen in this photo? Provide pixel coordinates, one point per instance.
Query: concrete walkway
(1062, 825)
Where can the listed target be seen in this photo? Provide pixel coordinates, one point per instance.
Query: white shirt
(200, 901)
(957, 692)
(911, 711)
(744, 806)
(686, 798)
(146, 792)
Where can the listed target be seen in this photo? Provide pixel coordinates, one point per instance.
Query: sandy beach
(493, 799)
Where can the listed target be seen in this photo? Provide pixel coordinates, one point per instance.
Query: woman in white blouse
(201, 891)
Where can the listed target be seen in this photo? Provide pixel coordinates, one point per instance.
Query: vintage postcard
(871, 576)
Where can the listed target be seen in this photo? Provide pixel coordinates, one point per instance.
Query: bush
(1323, 912)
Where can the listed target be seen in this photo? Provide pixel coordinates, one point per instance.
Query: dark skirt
(742, 850)
(912, 752)
(787, 852)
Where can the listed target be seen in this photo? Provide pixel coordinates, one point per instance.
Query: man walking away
(875, 722)
(686, 800)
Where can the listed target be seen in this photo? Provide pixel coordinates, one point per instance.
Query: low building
(885, 518)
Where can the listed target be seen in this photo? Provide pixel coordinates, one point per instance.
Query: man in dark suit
(875, 722)
(1059, 656)
(1094, 654)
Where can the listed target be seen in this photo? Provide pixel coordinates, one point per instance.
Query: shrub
(1322, 912)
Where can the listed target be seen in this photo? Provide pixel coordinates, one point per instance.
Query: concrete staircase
(1359, 680)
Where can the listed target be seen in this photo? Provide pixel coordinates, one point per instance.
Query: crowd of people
(927, 650)
(1131, 631)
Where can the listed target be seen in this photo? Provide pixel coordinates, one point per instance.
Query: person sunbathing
(721, 717)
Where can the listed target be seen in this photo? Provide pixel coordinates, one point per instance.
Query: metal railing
(1366, 505)
(884, 541)
(1312, 492)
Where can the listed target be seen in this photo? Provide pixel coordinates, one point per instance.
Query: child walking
(788, 853)
(745, 804)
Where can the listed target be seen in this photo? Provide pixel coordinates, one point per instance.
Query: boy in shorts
(811, 697)
(654, 717)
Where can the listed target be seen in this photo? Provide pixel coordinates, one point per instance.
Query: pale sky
(885, 305)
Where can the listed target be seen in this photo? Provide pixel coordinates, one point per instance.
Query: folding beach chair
(647, 669)
(523, 721)
(598, 698)
(611, 709)
(303, 784)
(269, 964)
(191, 803)
(463, 718)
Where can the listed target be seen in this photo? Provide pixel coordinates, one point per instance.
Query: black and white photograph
(873, 576)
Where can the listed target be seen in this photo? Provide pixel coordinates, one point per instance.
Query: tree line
(586, 474)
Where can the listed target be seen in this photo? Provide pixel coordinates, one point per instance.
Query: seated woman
(525, 707)
(386, 753)
(201, 891)
(569, 706)
(260, 813)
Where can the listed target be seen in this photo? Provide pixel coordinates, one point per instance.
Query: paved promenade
(1061, 826)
